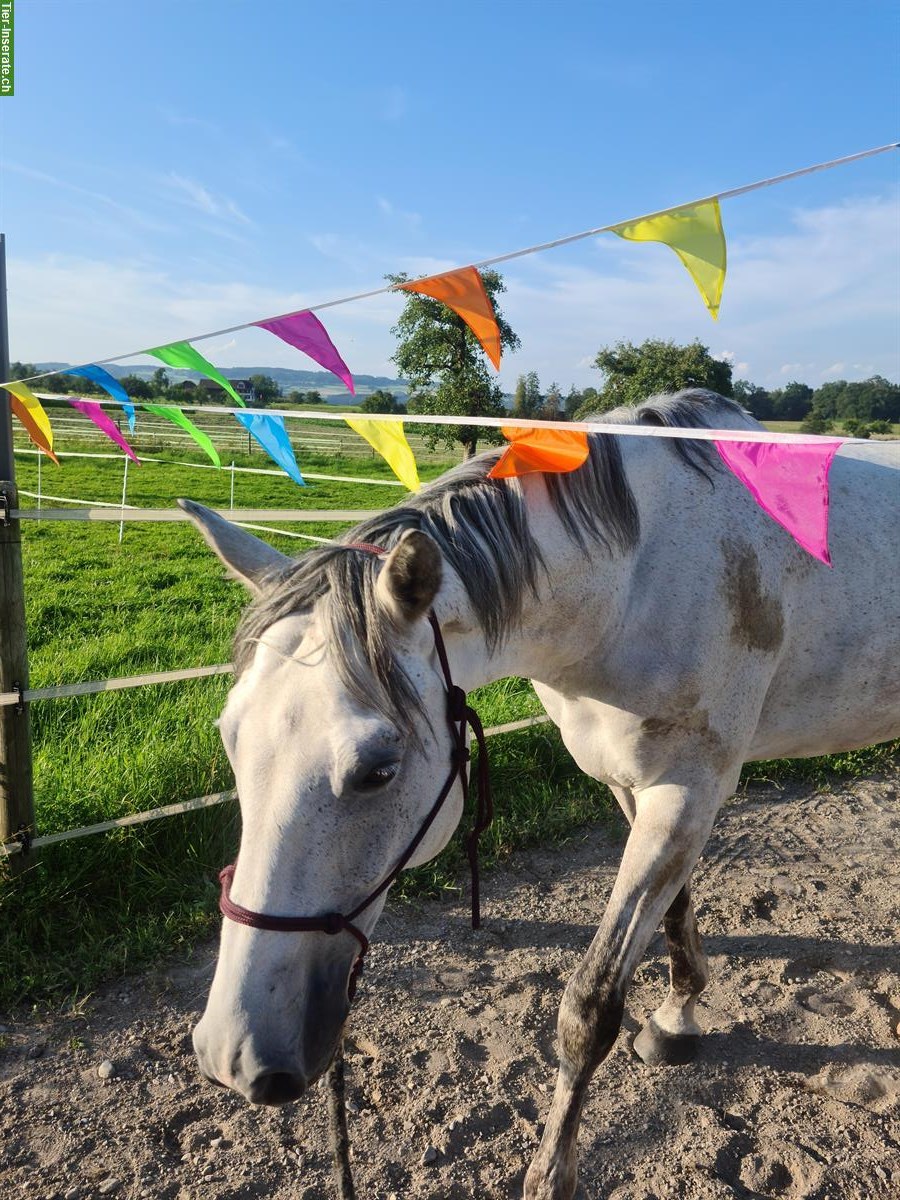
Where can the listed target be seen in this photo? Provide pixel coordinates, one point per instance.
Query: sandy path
(796, 1093)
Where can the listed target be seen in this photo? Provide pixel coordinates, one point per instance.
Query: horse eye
(378, 777)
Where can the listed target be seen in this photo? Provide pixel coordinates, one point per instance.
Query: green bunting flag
(183, 354)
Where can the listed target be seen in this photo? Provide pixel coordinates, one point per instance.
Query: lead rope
(337, 1128)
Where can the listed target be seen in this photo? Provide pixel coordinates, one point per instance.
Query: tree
(313, 397)
(382, 402)
(587, 400)
(552, 404)
(137, 388)
(265, 390)
(755, 399)
(792, 403)
(159, 381)
(632, 373)
(445, 366)
(814, 422)
(527, 398)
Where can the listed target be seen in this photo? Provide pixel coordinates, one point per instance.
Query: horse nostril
(276, 1087)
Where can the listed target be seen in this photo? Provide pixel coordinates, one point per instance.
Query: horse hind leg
(671, 1036)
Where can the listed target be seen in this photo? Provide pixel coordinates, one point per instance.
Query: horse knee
(587, 1026)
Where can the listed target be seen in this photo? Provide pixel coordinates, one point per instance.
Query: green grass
(87, 910)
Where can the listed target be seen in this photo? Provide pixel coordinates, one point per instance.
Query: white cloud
(196, 196)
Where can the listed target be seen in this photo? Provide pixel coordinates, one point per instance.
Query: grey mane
(481, 528)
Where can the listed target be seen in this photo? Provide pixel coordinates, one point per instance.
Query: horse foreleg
(668, 832)
(671, 1035)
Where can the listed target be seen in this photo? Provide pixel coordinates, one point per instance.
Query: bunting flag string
(92, 410)
(306, 332)
(109, 384)
(464, 292)
(182, 354)
(790, 483)
(177, 417)
(271, 434)
(697, 221)
(388, 438)
(695, 234)
(30, 411)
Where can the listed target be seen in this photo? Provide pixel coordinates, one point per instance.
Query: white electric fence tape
(183, 806)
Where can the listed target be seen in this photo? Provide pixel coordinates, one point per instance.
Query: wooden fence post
(16, 793)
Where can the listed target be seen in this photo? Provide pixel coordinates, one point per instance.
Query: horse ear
(410, 577)
(249, 560)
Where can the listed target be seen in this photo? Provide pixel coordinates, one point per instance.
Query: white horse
(673, 631)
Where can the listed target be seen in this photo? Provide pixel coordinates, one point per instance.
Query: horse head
(334, 785)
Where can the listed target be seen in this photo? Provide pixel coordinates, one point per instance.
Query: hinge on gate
(5, 509)
(19, 706)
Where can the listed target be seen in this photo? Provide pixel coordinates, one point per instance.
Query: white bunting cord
(501, 258)
(663, 431)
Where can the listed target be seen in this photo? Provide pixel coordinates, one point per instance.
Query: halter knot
(456, 704)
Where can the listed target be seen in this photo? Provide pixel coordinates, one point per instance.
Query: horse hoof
(659, 1049)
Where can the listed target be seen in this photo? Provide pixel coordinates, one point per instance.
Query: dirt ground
(796, 1092)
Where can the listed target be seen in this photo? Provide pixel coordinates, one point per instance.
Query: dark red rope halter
(460, 717)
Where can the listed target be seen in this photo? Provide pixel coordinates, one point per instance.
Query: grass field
(88, 909)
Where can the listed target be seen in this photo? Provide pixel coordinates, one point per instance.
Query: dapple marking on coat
(672, 630)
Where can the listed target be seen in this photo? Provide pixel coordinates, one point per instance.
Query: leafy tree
(814, 422)
(137, 388)
(446, 367)
(552, 404)
(632, 373)
(313, 397)
(159, 381)
(792, 403)
(853, 427)
(869, 399)
(755, 399)
(265, 390)
(382, 402)
(880, 427)
(527, 398)
(587, 400)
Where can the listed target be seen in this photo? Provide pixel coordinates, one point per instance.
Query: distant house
(213, 390)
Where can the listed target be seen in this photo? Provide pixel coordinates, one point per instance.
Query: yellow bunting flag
(388, 438)
(464, 292)
(695, 234)
(551, 451)
(30, 412)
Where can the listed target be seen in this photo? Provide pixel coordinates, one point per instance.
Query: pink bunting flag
(105, 424)
(789, 481)
(305, 331)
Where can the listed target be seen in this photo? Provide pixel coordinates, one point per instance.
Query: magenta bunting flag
(95, 413)
(305, 331)
(790, 481)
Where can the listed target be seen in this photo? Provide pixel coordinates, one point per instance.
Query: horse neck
(575, 607)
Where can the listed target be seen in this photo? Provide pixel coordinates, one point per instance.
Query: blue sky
(169, 168)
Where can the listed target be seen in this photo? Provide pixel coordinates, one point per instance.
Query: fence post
(16, 794)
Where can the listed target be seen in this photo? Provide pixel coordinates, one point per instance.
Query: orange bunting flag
(30, 411)
(464, 292)
(554, 451)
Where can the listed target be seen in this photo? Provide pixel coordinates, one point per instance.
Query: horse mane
(481, 528)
